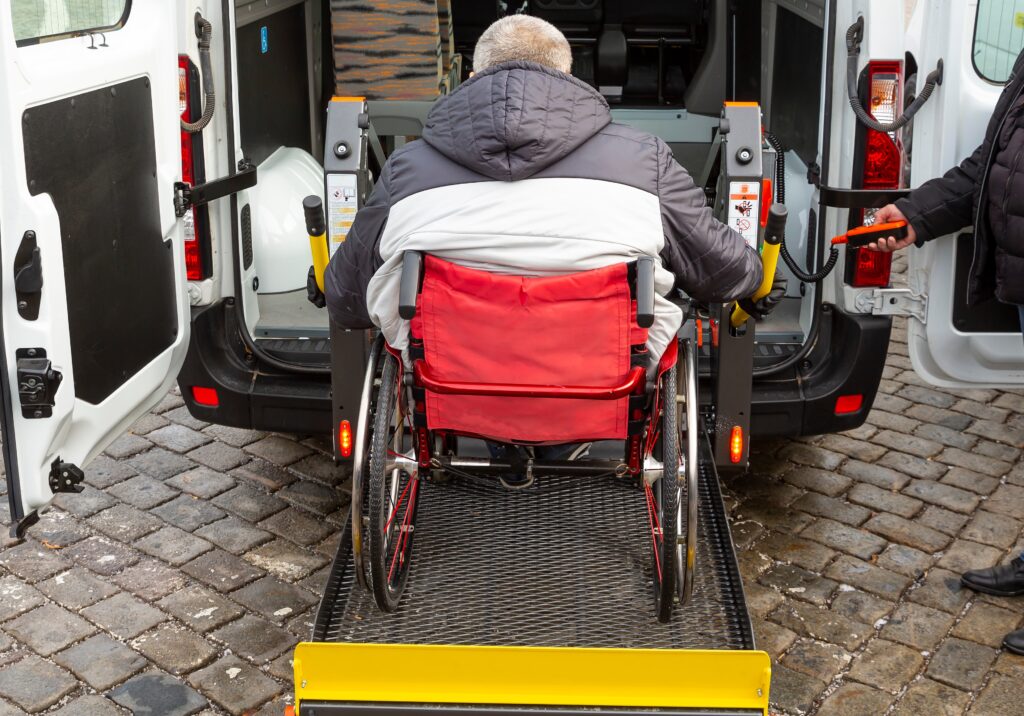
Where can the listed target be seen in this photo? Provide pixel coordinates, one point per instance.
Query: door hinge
(65, 477)
(893, 302)
(187, 196)
(37, 383)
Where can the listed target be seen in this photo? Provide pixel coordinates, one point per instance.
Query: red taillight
(205, 396)
(194, 268)
(883, 162)
(345, 438)
(849, 404)
(736, 444)
(870, 268)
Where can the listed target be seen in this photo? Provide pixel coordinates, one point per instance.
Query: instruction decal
(342, 205)
(745, 209)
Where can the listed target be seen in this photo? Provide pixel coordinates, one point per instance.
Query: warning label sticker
(745, 209)
(342, 204)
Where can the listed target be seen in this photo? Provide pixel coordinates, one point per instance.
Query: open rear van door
(92, 267)
(953, 344)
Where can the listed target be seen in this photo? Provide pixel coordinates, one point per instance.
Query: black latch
(28, 276)
(37, 383)
(185, 196)
(65, 477)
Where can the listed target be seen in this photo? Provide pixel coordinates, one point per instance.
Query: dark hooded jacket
(986, 191)
(522, 168)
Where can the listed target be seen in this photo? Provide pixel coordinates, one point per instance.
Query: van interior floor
(290, 315)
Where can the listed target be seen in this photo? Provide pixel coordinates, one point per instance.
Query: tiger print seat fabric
(389, 49)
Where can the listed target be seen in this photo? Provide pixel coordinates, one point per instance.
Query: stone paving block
(264, 474)
(160, 464)
(322, 469)
(143, 492)
(1007, 500)
(780, 519)
(202, 482)
(941, 590)
(17, 597)
(249, 503)
(857, 449)
(799, 583)
(222, 570)
(297, 526)
(175, 648)
(1014, 402)
(886, 665)
(82, 504)
(950, 419)
(127, 445)
(905, 560)
(178, 438)
(124, 523)
(317, 582)
(104, 471)
(282, 668)
(89, 705)
(961, 664)
(150, 579)
(913, 466)
(926, 396)
(974, 461)
(890, 421)
(32, 561)
(234, 535)
(795, 550)
(6, 643)
(772, 638)
(980, 410)
(963, 555)
(997, 451)
(101, 662)
(744, 533)
(891, 404)
(969, 480)
(911, 534)
(35, 684)
(822, 624)
(274, 599)
(254, 638)
(862, 433)
(124, 616)
(823, 481)
(181, 416)
(285, 559)
(952, 498)
(219, 456)
(235, 685)
(817, 659)
(48, 628)
(1010, 664)
(873, 474)
(311, 496)
(765, 490)
(148, 423)
(101, 555)
(811, 456)
(846, 539)
(860, 606)
(987, 624)
(236, 437)
(866, 576)
(1000, 696)
(999, 432)
(173, 545)
(881, 500)
(169, 402)
(832, 508)
(760, 600)
(278, 450)
(200, 608)
(918, 446)
(188, 512)
(793, 692)
(943, 520)
(56, 529)
(158, 694)
(852, 698)
(930, 698)
(946, 436)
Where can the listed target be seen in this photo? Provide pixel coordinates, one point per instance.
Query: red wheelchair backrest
(571, 330)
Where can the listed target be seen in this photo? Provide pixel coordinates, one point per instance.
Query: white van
(135, 252)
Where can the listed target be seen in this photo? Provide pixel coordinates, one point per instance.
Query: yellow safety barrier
(316, 227)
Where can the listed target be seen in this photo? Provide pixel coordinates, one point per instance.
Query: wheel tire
(388, 576)
(666, 496)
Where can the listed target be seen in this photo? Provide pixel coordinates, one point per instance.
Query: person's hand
(760, 309)
(887, 215)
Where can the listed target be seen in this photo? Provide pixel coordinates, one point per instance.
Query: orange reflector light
(345, 438)
(736, 444)
(289, 710)
(205, 396)
(849, 404)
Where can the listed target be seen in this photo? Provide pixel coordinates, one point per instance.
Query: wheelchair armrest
(645, 291)
(412, 271)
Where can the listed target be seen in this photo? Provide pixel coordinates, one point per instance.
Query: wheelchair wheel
(392, 494)
(663, 501)
(361, 458)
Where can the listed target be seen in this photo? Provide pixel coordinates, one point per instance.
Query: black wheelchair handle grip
(313, 208)
(412, 269)
(775, 229)
(645, 292)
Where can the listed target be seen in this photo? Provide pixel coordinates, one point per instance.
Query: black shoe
(1004, 580)
(1014, 641)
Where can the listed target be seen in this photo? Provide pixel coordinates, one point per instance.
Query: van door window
(39, 20)
(796, 89)
(998, 38)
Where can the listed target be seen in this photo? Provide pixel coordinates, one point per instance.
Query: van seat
(577, 19)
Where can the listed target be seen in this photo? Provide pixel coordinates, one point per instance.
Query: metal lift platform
(537, 601)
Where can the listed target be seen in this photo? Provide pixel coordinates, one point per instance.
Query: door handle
(28, 276)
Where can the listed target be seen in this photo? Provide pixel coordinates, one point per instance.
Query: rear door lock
(37, 383)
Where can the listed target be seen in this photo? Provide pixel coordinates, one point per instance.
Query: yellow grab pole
(316, 227)
(773, 233)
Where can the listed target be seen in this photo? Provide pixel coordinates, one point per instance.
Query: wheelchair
(524, 362)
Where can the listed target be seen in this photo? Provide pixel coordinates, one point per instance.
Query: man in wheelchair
(539, 242)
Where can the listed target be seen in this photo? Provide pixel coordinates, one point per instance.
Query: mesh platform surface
(566, 562)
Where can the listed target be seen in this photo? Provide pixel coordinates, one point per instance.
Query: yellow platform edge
(531, 676)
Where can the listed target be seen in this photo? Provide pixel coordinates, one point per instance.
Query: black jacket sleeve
(711, 262)
(357, 259)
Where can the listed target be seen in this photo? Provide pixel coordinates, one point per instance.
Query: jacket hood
(514, 119)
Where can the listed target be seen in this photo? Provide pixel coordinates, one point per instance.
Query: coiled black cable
(204, 30)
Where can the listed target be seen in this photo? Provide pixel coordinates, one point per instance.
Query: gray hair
(523, 38)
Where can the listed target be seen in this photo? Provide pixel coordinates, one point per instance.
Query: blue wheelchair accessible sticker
(264, 42)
